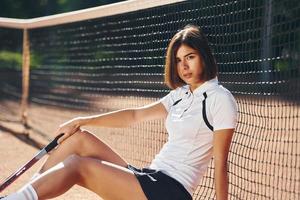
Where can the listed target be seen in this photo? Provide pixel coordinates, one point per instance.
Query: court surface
(14, 153)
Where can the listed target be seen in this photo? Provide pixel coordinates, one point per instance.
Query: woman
(200, 119)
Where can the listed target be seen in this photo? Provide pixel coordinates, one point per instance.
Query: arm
(116, 119)
(125, 117)
(221, 145)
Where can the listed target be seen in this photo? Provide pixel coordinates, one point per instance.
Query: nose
(184, 64)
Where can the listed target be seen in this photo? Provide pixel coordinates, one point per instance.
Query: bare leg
(83, 143)
(99, 176)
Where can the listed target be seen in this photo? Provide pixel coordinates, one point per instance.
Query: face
(189, 66)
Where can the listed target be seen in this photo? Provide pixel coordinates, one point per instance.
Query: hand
(68, 128)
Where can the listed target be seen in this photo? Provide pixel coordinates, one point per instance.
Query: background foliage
(38, 8)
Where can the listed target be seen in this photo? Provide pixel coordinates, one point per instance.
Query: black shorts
(159, 186)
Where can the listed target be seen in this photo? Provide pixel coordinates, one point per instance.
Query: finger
(68, 131)
(65, 136)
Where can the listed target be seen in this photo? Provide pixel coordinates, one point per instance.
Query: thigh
(94, 147)
(110, 181)
(86, 144)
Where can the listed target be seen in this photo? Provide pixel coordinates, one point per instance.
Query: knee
(79, 138)
(74, 165)
(78, 165)
(72, 161)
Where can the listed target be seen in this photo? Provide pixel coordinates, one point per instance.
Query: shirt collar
(204, 87)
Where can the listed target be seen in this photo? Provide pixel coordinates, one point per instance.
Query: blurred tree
(38, 8)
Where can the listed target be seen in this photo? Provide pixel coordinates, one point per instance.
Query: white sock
(25, 193)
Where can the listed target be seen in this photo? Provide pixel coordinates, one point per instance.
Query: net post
(25, 79)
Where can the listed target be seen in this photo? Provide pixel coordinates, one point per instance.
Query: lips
(188, 75)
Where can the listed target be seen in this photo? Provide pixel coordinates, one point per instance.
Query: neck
(196, 85)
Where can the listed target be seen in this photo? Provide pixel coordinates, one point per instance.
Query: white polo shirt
(186, 154)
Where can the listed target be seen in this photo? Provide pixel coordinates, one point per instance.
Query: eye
(178, 60)
(190, 57)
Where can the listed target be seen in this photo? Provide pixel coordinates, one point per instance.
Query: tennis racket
(29, 164)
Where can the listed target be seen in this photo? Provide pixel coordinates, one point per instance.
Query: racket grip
(53, 143)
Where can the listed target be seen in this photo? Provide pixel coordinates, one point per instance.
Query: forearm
(116, 119)
(221, 183)
(222, 141)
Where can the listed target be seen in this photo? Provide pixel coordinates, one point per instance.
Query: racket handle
(53, 143)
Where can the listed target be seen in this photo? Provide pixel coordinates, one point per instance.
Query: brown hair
(193, 37)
